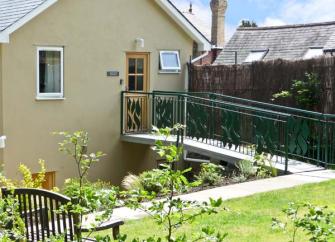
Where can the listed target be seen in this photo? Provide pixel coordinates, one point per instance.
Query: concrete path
(243, 189)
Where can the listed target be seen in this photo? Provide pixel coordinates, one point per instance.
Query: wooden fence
(260, 80)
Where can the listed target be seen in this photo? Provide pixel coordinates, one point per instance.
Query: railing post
(178, 118)
(325, 143)
(122, 113)
(286, 145)
(320, 131)
(153, 109)
(212, 117)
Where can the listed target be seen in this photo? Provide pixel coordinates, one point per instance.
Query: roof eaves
(4, 34)
(181, 19)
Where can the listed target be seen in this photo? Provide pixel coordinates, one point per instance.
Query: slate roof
(287, 42)
(13, 10)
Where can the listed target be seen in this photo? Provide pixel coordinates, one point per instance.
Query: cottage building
(289, 42)
(63, 65)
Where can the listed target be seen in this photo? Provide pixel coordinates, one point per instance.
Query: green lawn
(249, 219)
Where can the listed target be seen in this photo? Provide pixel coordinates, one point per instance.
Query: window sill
(50, 98)
(169, 72)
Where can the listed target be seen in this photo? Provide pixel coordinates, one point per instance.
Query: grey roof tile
(286, 42)
(13, 10)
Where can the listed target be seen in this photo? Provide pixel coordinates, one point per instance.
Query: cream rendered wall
(1, 113)
(96, 36)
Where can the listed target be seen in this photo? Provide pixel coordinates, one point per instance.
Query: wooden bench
(38, 209)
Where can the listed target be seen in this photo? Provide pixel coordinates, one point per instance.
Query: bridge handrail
(186, 95)
(268, 105)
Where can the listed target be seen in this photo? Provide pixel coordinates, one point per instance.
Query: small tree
(84, 195)
(170, 210)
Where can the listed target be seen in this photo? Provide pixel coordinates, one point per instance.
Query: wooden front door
(137, 80)
(137, 72)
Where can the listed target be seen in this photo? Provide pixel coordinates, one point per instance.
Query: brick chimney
(219, 8)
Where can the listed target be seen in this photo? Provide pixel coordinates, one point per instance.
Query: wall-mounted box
(2, 142)
(113, 73)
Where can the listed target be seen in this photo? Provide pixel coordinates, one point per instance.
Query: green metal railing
(237, 124)
(311, 134)
(237, 127)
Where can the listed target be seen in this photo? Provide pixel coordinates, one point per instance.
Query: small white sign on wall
(2, 142)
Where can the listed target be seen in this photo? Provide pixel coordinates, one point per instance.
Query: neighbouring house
(63, 65)
(214, 31)
(290, 42)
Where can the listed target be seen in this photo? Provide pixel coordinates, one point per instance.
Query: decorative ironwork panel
(164, 112)
(136, 114)
(230, 126)
(197, 121)
(299, 136)
(267, 134)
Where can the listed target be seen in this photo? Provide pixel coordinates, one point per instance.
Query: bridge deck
(214, 152)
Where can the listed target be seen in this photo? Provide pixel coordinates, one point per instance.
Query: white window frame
(265, 52)
(167, 69)
(307, 56)
(49, 96)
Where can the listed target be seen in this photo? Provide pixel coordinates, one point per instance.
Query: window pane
(139, 83)
(255, 56)
(132, 64)
(170, 60)
(50, 71)
(140, 63)
(131, 83)
(313, 53)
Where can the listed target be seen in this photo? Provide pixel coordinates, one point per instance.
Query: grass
(248, 219)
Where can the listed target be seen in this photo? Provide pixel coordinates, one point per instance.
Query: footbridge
(231, 129)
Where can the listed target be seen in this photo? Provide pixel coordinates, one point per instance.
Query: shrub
(306, 92)
(12, 227)
(210, 174)
(265, 166)
(131, 182)
(246, 168)
(27, 178)
(239, 178)
(152, 181)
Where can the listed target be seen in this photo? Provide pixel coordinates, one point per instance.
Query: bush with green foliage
(261, 167)
(315, 221)
(265, 166)
(210, 174)
(151, 181)
(27, 178)
(246, 168)
(306, 92)
(12, 227)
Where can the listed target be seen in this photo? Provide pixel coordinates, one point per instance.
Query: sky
(266, 12)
